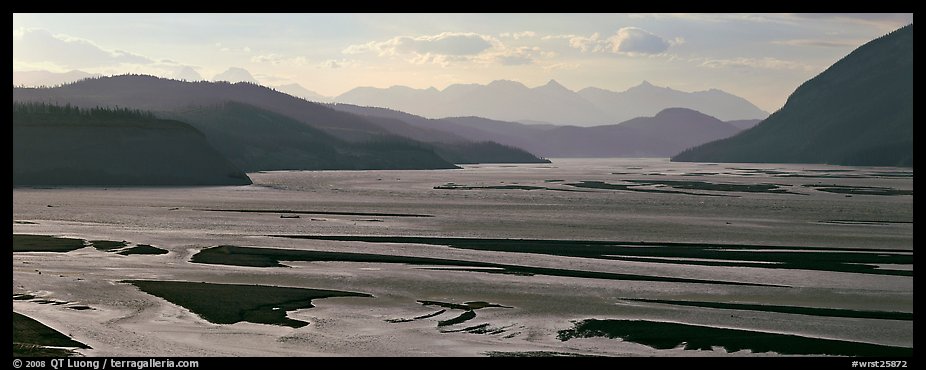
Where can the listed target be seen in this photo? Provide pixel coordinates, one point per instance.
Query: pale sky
(761, 57)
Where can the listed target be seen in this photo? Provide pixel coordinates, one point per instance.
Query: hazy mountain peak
(507, 84)
(187, 73)
(298, 90)
(402, 88)
(553, 85)
(47, 78)
(678, 112)
(235, 74)
(690, 116)
(647, 86)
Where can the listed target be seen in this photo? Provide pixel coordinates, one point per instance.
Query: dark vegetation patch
(668, 335)
(108, 245)
(49, 301)
(30, 339)
(44, 243)
(893, 174)
(700, 174)
(463, 317)
(452, 186)
(475, 305)
(122, 248)
(730, 255)
(634, 187)
(859, 190)
(467, 307)
(232, 303)
(271, 257)
(287, 211)
(484, 329)
(762, 171)
(822, 176)
(810, 311)
(703, 185)
(142, 249)
(475, 329)
(865, 222)
(536, 354)
(422, 317)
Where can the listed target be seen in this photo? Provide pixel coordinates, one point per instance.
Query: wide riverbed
(803, 214)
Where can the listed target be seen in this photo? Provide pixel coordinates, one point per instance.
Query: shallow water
(489, 204)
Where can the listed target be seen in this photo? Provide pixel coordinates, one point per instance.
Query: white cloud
(518, 56)
(336, 63)
(762, 63)
(592, 43)
(447, 43)
(267, 58)
(819, 42)
(40, 46)
(557, 37)
(449, 48)
(228, 49)
(627, 40)
(633, 40)
(278, 59)
(512, 56)
(884, 20)
(518, 35)
(563, 66)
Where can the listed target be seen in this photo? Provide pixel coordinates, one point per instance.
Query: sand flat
(127, 322)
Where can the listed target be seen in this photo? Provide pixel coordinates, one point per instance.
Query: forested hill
(55, 145)
(857, 112)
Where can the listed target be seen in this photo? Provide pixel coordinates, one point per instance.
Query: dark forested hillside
(857, 112)
(55, 145)
(259, 128)
(256, 139)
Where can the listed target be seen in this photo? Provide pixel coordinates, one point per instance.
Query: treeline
(45, 110)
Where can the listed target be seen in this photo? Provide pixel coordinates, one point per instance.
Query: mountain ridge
(859, 111)
(356, 136)
(552, 102)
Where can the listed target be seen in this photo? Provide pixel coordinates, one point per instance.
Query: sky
(761, 57)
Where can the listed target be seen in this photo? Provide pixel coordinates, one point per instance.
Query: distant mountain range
(46, 78)
(551, 103)
(235, 74)
(55, 145)
(663, 135)
(857, 112)
(298, 91)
